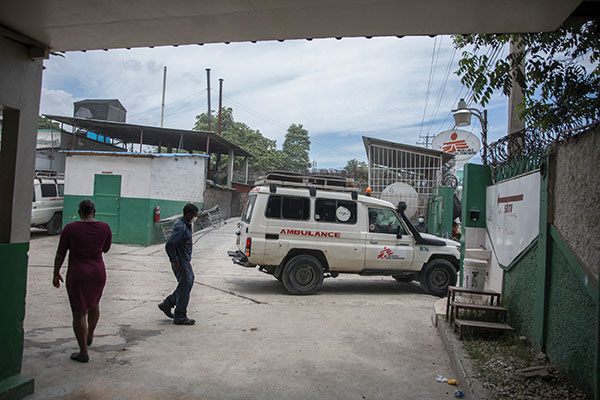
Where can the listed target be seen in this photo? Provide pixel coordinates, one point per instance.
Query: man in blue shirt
(179, 250)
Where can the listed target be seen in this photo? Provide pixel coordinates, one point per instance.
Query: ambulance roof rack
(48, 173)
(294, 179)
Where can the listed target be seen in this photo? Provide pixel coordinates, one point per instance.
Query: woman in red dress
(86, 240)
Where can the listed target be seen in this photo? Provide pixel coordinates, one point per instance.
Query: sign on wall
(513, 214)
(461, 143)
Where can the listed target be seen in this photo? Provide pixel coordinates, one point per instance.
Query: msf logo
(454, 146)
(385, 253)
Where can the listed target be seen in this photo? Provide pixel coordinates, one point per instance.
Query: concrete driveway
(358, 338)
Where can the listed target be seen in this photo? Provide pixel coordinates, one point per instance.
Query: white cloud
(57, 102)
(338, 90)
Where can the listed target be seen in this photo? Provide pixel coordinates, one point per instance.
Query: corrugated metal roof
(128, 154)
(155, 136)
(406, 147)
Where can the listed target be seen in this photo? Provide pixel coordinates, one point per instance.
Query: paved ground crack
(231, 293)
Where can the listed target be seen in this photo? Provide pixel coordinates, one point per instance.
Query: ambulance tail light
(248, 246)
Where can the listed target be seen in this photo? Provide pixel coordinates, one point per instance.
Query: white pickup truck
(47, 205)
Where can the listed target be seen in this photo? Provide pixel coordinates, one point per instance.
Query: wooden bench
(501, 312)
(482, 325)
(453, 290)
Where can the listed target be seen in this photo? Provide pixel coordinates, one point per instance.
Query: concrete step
(480, 325)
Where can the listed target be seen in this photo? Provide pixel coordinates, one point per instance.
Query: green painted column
(12, 309)
(475, 181)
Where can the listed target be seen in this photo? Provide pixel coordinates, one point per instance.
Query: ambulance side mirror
(401, 206)
(398, 234)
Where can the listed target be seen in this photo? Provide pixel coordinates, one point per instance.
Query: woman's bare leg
(93, 316)
(80, 329)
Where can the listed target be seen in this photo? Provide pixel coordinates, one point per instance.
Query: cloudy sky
(339, 90)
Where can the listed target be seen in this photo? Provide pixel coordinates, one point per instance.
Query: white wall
(513, 215)
(178, 178)
(162, 177)
(512, 218)
(135, 174)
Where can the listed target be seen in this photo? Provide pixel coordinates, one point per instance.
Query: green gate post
(475, 181)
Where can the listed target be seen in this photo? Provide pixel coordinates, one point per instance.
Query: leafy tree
(295, 149)
(561, 83)
(358, 170)
(45, 123)
(264, 151)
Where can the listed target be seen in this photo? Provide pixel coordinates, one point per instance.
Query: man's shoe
(186, 321)
(164, 307)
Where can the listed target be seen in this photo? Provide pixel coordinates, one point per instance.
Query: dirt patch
(505, 366)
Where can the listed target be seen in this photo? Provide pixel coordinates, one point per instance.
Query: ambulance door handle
(373, 241)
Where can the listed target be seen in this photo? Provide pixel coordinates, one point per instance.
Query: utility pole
(162, 109)
(425, 140)
(208, 94)
(515, 99)
(220, 103)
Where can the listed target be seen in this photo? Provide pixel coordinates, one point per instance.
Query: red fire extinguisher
(157, 214)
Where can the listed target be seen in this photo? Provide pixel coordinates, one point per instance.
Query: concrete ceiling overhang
(66, 25)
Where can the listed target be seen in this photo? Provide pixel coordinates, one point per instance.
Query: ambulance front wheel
(436, 276)
(303, 274)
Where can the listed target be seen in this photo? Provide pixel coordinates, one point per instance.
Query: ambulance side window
(383, 220)
(288, 207)
(48, 190)
(338, 211)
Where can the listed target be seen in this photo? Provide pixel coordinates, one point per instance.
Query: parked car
(47, 205)
(302, 229)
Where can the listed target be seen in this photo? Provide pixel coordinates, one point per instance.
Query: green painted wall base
(13, 286)
(136, 217)
(16, 387)
(571, 327)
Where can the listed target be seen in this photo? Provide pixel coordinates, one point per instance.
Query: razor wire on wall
(524, 151)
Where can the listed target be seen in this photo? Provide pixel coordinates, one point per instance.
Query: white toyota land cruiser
(301, 229)
(47, 204)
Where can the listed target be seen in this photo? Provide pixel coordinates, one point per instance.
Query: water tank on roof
(400, 191)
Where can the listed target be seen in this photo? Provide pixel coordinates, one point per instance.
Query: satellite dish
(400, 191)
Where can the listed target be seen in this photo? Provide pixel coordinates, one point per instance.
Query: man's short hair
(190, 209)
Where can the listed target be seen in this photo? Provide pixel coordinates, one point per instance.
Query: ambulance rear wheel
(54, 226)
(303, 274)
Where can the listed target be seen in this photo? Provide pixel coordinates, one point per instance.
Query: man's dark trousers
(181, 296)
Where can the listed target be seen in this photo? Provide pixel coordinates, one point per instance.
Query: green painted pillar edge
(588, 284)
(573, 264)
(16, 387)
(543, 270)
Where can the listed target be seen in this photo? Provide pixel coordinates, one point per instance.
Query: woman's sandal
(80, 357)
(90, 339)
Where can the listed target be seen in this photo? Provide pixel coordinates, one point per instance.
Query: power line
(168, 104)
(442, 90)
(431, 70)
(282, 126)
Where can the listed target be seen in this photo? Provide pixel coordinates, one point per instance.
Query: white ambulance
(304, 228)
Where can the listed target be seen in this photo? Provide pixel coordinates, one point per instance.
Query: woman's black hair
(86, 207)
(190, 209)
